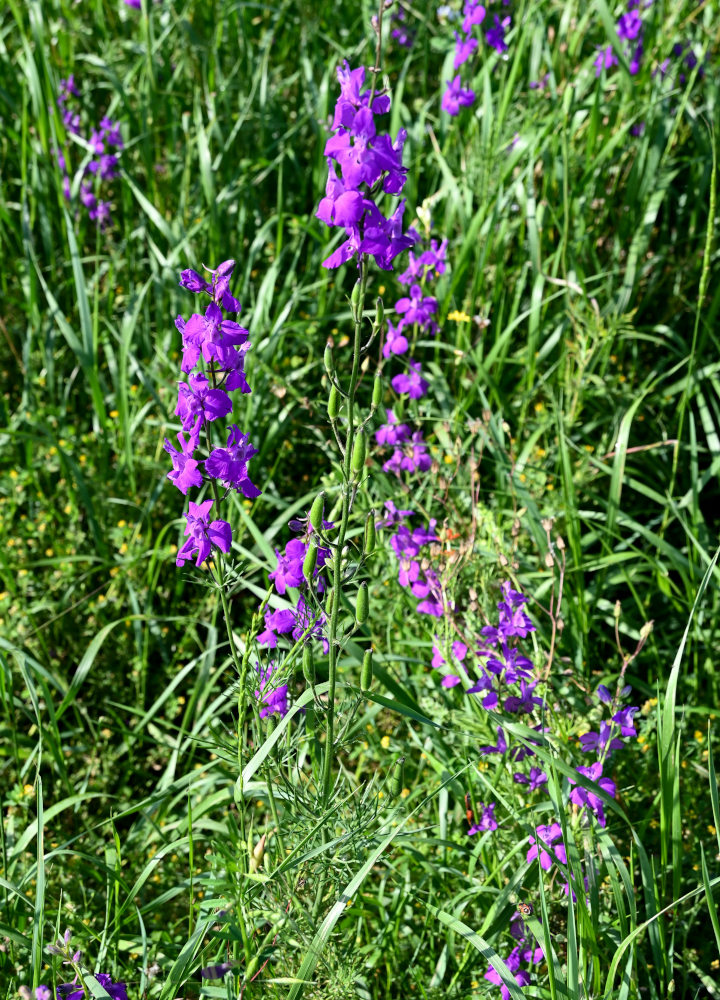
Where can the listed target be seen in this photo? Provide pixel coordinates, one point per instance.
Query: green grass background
(592, 252)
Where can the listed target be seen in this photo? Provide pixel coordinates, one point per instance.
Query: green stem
(340, 541)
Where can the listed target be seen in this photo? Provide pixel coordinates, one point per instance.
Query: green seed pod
(316, 511)
(355, 299)
(370, 536)
(329, 601)
(308, 665)
(310, 560)
(310, 719)
(377, 391)
(357, 462)
(379, 313)
(362, 605)
(333, 402)
(271, 723)
(366, 673)
(397, 782)
(328, 359)
(252, 967)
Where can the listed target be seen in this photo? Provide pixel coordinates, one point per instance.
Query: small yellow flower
(699, 735)
(113, 414)
(381, 289)
(459, 317)
(385, 742)
(712, 830)
(28, 790)
(539, 406)
(404, 793)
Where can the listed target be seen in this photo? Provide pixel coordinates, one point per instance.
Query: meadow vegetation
(434, 716)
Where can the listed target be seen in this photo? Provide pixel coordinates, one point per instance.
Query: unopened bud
(355, 299)
(548, 560)
(328, 359)
(379, 313)
(370, 536)
(559, 543)
(366, 673)
(329, 601)
(398, 779)
(308, 664)
(310, 560)
(617, 611)
(377, 391)
(646, 629)
(316, 511)
(357, 463)
(333, 402)
(362, 605)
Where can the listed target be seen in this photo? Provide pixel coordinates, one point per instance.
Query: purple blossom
(411, 384)
(536, 779)
(288, 572)
(185, 471)
(392, 432)
(629, 26)
(195, 397)
(487, 820)
(525, 701)
(624, 719)
(546, 836)
(513, 963)
(272, 699)
(604, 695)
(393, 516)
(582, 796)
(203, 534)
(605, 59)
(229, 464)
(71, 991)
(464, 49)
(277, 623)
(416, 308)
(411, 457)
(495, 36)
(456, 97)
(602, 742)
(474, 14)
(211, 335)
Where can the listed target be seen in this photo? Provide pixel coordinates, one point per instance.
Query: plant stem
(340, 542)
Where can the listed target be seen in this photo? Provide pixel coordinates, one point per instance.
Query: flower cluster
(74, 990)
(221, 345)
(528, 954)
(629, 30)
(369, 163)
(467, 45)
(416, 313)
(106, 144)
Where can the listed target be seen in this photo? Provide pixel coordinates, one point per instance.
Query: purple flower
(288, 572)
(604, 695)
(525, 701)
(191, 280)
(495, 36)
(487, 820)
(195, 397)
(71, 991)
(185, 472)
(277, 623)
(605, 59)
(582, 796)
(210, 335)
(474, 14)
(456, 97)
(547, 835)
(413, 384)
(395, 342)
(629, 26)
(513, 963)
(393, 516)
(272, 700)
(203, 534)
(603, 742)
(464, 49)
(229, 464)
(392, 432)
(534, 780)
(624, 719)
(43, 993)
(416, 308)
(499, 747)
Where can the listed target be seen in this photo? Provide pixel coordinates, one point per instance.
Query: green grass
(591, 397)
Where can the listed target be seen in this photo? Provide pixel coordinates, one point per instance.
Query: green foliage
(574, 426)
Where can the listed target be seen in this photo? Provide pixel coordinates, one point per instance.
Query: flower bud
(369, 543)
(357, 463)
(333, 402)
(398, 779)
(379, 313)
(329, 601)
(308, 664)
(362, 605)
(310, 560)
(377, 391)
(316, 511)
(328, 359)
(366, 673)
(355, 299)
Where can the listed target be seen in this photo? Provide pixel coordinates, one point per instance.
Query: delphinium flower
(486, 822)
(456, 96)
(71, 991)
(303, 618)
(629, 29)
(106, 143)
(220, 345)
(370, 163)
(458, 652)
(495, 34)
(272, 700)
(401, 32)
(522, 977)
(585, 798)
(546, 841)
(411, 383)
